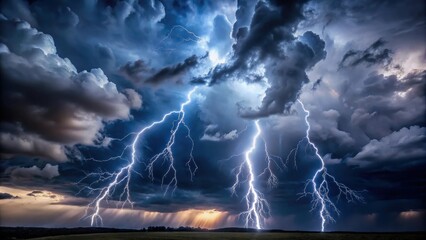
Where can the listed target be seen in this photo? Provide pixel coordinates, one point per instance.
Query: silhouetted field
(181, 233)
(241, 236)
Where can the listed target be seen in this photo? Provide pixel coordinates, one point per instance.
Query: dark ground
(223, 234)
(239, 236)
(34, 232)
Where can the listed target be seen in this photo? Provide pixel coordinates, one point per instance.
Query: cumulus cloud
(211, 133)
(54, 105)
(373, 97)
(135, 100)
(31, 145)
(404, 147)
(111, 33)
(48, 172)
(381, 103)
(326, 129)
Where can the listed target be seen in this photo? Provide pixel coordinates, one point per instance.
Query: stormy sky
(79, 78)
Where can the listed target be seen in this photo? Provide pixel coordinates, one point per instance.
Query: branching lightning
(320, 183)
(192, 36)
(257, 206)
(167, 152)
(271, 161)
(183, 35)
(123, 176)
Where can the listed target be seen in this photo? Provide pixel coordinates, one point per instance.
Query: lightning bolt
(257, 206)
(167, 153)
(184, 35)
(184, 29)
(271, 161)
(321, 181)
(123, 176)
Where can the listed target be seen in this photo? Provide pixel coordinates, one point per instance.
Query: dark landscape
(192, 233)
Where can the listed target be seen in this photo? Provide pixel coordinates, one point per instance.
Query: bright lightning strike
(271, 161)
(167, 152)
(257, 206)
(320, 185)
(192, 36)
(123, 176)
(183, 35)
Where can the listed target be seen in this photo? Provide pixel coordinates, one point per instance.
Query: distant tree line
(170, 229)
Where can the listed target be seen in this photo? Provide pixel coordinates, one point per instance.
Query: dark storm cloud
(199, 80)
(39, 193)
(405, 147)
(397, 17)
(53, 104)
(244, 15)
(173, 71)
(18, 8)
(35, 193)
(382, 104)
(263, 37)
(374, 54)
(288, 75)
(106, 33)
(369, 114)
(270, 41)
(7, 196)
(140, 72)
(316, 84)
(136, 71)
(183, 200)
(366, 110)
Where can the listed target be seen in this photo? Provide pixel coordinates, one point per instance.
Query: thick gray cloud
(270, 42)
(405, 147)
(371, 78)
(367, 118)
(55, 104)
(47, 172)
(211, 133)
(287, 76)
(31, 145)
(136, 71)
(374, 54)
(243, 15)
(107, 34)
(139, 72)
(385, 104)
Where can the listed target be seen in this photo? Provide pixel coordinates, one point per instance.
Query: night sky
(79, 79)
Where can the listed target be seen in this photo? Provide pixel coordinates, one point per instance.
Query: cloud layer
(54, 106)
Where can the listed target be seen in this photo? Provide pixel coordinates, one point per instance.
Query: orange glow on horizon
(49, 209)
(410, 214)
